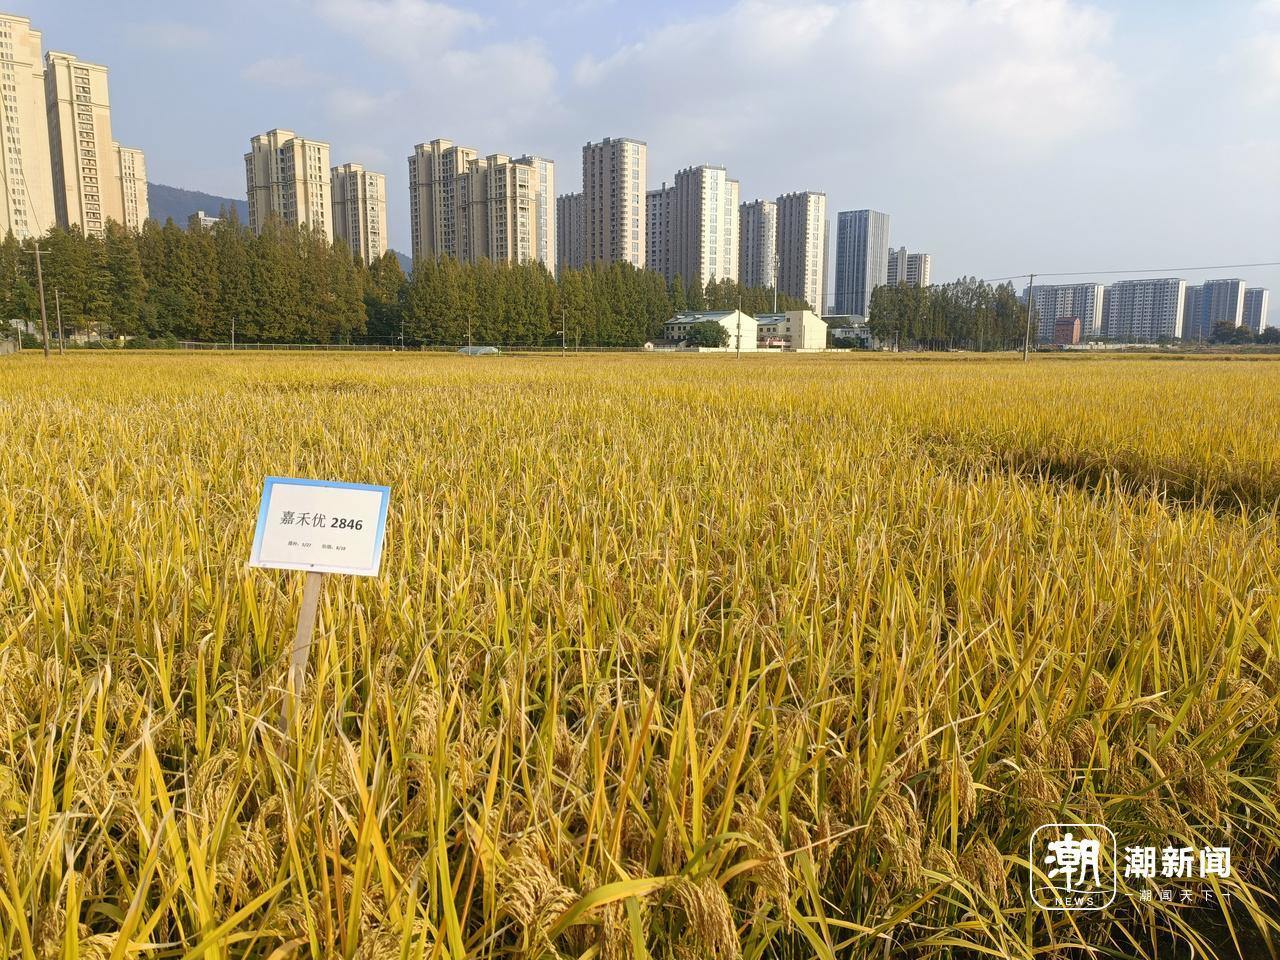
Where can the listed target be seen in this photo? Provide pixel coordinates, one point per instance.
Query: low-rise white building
(740, 326)
(793, 330)
(849, 328)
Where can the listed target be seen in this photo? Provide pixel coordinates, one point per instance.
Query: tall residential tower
(758, 243)
(131, 182)
(692, 226)
(571, 250)
(27, 207)
(1139, 311)
(289, 177)
(1055, 302)
(613, 199)
(86, 186)
(1210, 303)
(469, 207)
(360, 210)
(1255, 308)
(862, 249)
(802, 247)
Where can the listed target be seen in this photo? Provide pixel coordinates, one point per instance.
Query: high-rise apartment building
(289, 177)
(908, 269)
(1211, 303)
(1256, 300)
(613, 195)
(1140, 311)
(1055, 302)
(131, 182)
(570, 223)
(86, 189)
(758, 243)
(469, 207)
(546, 223)
(657, 231)
(895, 267)
(436, 172)
(802, 246)
(360, 210)
(862, 247)
(26, 208)
(1192, 306)
(919, 269)
(692, 226)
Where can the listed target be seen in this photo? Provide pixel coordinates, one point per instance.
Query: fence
(395, 348)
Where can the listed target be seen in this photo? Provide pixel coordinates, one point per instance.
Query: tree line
(968, 313)
(290, 285)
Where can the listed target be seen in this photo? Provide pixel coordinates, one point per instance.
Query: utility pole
(1026, 344)
(468, 333)
(233, 333)
(44, 319)
(564, 333)
(57, 299)
(739, 354)
(775, 282)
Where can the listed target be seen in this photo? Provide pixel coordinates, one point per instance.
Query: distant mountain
(180, 204)
(406, 263)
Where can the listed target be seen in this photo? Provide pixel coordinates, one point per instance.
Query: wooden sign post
(321, 528)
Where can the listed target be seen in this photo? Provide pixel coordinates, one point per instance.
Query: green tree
(384, 284)
(125, 286)
(706, 333)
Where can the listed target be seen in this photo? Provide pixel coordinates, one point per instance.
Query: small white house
(795, 330)
(851, 327)
(739, 326)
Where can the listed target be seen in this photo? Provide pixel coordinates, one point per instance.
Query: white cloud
(281, 72)
(1260, 59)
(169, 35)
(1032, 73)
(409, 30)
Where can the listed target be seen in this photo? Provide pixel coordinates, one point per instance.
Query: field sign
(320, 527)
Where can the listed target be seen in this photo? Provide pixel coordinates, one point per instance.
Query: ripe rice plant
(669, 657)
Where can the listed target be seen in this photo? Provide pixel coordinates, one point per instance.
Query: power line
(1100, 273)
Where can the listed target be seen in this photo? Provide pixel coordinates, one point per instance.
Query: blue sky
(1002, 136)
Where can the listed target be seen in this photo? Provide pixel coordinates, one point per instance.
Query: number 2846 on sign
(320, 526)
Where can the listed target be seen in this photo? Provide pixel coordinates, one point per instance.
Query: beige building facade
(469, 207)
(86, 188)
(692, 226)
(794, 331)
(27, 207)
(131, 182)
(360, 210)
(614, 175)
(802, 246)
(289, 177)
(908, 269)
(546, 219)
(758, 243)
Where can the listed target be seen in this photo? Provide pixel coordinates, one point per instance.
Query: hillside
(167, 202)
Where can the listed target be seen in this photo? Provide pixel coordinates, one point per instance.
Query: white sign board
(320, 526)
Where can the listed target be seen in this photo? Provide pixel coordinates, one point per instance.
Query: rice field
(683, 658)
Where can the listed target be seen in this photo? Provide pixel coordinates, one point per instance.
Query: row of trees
(968, 313)
(288, 285)
(975, 315)
(1226, 332)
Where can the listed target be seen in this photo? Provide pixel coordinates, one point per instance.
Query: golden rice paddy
(669, 657)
